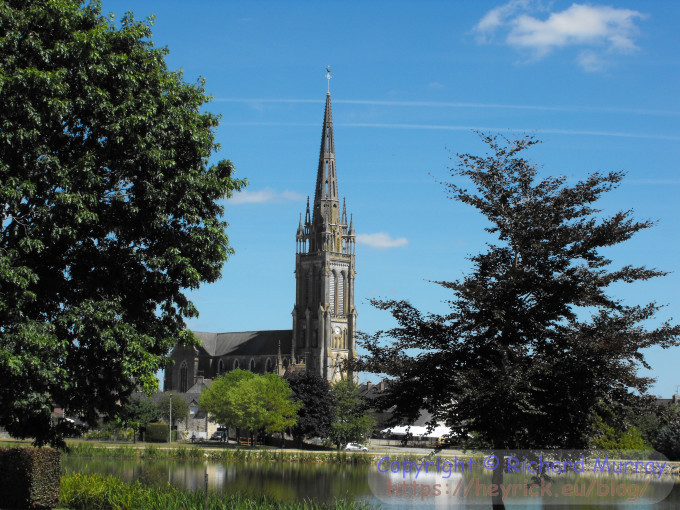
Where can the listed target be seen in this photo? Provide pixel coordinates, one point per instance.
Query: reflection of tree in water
(282, 481)
(153, 474)
(293, 482)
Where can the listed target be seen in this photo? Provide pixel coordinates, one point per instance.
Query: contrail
(444, 127)
(447, 104)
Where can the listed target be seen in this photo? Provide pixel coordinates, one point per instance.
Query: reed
(223, 455)
(99, 492)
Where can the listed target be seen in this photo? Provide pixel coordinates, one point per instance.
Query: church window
(183, 378)
(309, 288)
(193, 410)
(269, 366)
(251, 365)
(285, 362)
(220, 366)
(236, 364)
(333, 278)
(341, 294)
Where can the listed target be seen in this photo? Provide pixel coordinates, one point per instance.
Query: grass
(223, 455)
(89, 449)
(99, 492)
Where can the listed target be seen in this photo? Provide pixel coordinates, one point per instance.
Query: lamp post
(170, 438)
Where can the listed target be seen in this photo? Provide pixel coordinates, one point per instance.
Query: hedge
(158, 433)
(29, 477)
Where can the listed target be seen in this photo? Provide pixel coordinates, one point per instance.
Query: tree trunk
(497, 481)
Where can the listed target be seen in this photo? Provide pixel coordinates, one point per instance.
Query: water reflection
(321, 482)
(282, 481)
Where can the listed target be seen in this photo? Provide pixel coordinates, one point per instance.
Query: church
(323, 333)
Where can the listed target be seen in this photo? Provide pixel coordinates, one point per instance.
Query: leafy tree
(277, 405)
(180, 407)
(608, 438)
(246, 401)
(351, 421)
(108, 210)
(668, 440)
(224, 403)
(533, 347)
(140, 411)
(135, 414)
(315, 417)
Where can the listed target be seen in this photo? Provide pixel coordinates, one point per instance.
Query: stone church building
(324, 318)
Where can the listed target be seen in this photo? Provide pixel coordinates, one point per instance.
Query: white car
(355, 447)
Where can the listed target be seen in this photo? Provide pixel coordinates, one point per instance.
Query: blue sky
(597, 82)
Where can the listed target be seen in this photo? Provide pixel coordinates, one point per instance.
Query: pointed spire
(351, 225)
(308, 218)
(326, 194)
(299, 230)
(344, 211)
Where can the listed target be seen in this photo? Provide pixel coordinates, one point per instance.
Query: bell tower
(324, 317)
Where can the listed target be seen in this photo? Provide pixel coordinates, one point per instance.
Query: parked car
(220, 435)
(355, 447)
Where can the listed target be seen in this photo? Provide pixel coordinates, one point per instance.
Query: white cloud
(266, 195)
(600, 29)
(590, 61)
(435, 85)
(498, 17)
(381, 240)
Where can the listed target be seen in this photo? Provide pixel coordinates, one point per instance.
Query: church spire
(326, 200)
(324, 317)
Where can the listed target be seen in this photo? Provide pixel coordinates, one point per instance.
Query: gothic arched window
(236, 365)
(310, 290)
(251, 365)
(333, 290)
(341, 294)
(220, 366)
(183, 378)
(269, 366)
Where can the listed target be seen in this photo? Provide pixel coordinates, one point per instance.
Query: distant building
(324, 316)
(674, 400)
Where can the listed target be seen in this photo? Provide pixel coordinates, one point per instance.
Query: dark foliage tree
(139, 412)
(351, 421)
(108, 210)
(533, 348)
(667, 440)
(136, 413)
(180, 406)
(318, 406)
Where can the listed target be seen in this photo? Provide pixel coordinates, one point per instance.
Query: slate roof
(243, 343)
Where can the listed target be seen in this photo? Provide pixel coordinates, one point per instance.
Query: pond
(325, 482)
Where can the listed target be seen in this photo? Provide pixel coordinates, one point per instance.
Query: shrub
(158, 433)
(29, 477)
(668, 440)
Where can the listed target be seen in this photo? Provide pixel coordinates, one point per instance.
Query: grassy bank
(222, 455)
(98, 492)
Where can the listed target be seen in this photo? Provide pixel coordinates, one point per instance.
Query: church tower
(324, 317)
